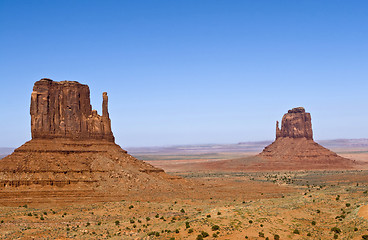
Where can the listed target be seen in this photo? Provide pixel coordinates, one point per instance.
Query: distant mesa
(294, 147)
(73, 153)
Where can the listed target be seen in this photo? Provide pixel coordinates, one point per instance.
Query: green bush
(117, 222)
(313, 222)
(276, 237)
(182, 210)
(296, 231)
(261, 234)
(365, 237)
(153, 233)
(190, 230)
(199, 237)
(187, 225)
(336, 230)
(215, 227)
(204, 234)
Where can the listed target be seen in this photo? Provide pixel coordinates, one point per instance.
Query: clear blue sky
(186, 72)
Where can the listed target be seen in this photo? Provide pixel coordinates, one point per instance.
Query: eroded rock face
(295, 149)
(63, 110)
(73, 150)
(295, 124)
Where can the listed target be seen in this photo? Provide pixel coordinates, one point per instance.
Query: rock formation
(295, 124)
(73, 151)
(294, 147)
(63, 110)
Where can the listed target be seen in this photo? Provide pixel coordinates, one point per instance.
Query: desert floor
(222, 205)
(292, 205)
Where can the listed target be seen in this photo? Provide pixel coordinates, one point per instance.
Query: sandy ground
(363, 212)
(222, 205)
(171, 163)
(293, 205)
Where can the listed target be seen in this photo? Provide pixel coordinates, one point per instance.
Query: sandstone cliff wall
(295, 124)
(63, 110)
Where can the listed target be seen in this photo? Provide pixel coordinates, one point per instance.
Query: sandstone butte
(72, 154)
(295, 149)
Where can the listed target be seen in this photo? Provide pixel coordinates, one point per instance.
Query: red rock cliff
(63, 110)
(295, 124)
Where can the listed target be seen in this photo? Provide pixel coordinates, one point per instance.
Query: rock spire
(63, 110)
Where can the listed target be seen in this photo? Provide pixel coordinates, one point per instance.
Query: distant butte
(73, 155)
(294, 147)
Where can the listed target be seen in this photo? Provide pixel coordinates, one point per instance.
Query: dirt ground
(217, 205)
(292, 205)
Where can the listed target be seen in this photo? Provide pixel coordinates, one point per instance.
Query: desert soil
(293, 205)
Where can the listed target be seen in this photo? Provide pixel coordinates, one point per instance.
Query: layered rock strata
(294, 147)
(73, 149)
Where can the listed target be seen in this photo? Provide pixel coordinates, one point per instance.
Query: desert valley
(72, 181)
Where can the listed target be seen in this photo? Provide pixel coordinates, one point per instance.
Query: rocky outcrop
(295, 124)
(73, 148)
(63, 110)
(294, 148)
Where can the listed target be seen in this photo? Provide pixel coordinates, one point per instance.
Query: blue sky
(187, 72)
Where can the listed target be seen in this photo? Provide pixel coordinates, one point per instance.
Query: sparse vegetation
(191, 223)
(215, 227)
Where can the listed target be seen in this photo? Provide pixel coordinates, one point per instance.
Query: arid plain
(224, 205)
(72, 181)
